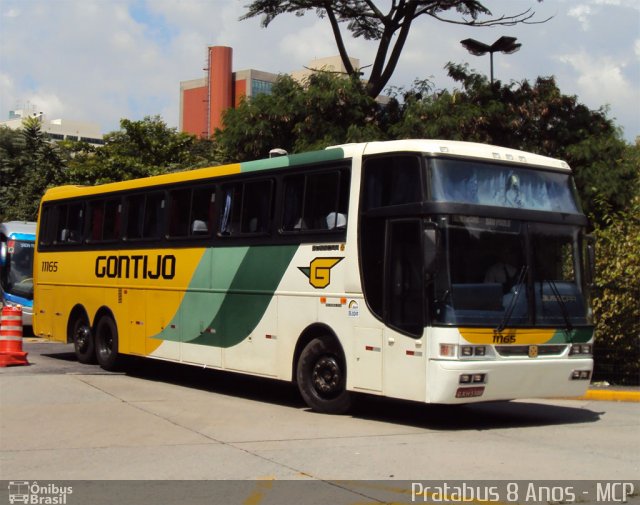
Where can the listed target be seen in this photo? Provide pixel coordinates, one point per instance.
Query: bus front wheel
(107, 343)
(322, 377)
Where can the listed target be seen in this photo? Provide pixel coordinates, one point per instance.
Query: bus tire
(322, 377)
(106, 342)
(83, 341)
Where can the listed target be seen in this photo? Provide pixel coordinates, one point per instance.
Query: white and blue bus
(17, 244)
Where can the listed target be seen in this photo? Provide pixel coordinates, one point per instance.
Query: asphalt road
(60, 420)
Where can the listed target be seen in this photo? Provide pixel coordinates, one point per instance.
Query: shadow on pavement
(479, 416)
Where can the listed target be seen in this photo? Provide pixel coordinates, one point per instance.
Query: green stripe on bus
(576, 335)
(229, 294)
(292, 160)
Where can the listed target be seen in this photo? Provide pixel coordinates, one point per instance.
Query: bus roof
(23, 230)
(333, 153)
(456, 148)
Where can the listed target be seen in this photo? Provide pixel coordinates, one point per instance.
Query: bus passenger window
(179, 203)
(316, 201)
(70, 224)
(392, 180)
(293, 196)
(202, 206)
(112, 214)
(256, 207)
(135, 215)
(230, 211)
(96, 218)
(153, 215)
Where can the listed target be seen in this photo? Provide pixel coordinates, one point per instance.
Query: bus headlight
(580, 350)
(466, 351)
(448, 350)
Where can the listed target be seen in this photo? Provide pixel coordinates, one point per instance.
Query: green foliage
(617, 304)
(139, 149)
(29, 164)
(533, 117)
(328, 110)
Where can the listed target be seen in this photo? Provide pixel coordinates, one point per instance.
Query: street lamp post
(505, 45)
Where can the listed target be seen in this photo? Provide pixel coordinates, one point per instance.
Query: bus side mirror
(3, 254)
(430, 248)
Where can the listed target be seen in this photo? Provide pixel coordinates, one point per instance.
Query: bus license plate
(470, 392)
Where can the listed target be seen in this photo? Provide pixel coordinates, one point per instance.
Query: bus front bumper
(453, 382)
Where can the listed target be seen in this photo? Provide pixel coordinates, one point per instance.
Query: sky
(104, 60)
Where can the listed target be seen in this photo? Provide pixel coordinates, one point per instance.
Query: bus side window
(321, 197)
(230, 210)
(317, 201)
(392, 180)
(47, 226)
(112, 218)
(134, 216)
(179, 204)
(153, 215)
(70, 223)
(256, 207)
(202, 208)
(293, 200)
(96, 220)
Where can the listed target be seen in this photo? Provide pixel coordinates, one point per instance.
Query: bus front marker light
(478, 378)
(581, 375)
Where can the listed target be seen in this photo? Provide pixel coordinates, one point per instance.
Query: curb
(611, 395)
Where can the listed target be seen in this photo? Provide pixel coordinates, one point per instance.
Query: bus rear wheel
(107, 343)
(322, 378)
(83, 342)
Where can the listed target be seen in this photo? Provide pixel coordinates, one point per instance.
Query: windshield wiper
(563, 308)
(512, 304)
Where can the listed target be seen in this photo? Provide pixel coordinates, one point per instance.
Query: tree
(139, 149)
(534, 117)
(616, 305)
(391, 29)
(327, 110)
(29, 164)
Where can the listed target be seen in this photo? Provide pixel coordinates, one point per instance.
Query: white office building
(57, 129)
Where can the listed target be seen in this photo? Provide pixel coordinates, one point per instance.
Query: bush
(617, 302)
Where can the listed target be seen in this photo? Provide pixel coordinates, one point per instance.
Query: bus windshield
(503, 272)
(18, 274)
(479, 183)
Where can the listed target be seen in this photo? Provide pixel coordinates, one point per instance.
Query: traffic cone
(11, 338)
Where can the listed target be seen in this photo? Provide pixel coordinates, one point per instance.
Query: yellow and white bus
(427, 270)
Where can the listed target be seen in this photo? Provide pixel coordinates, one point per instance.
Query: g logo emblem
(319, 271)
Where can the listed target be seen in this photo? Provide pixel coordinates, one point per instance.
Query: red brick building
(203, 101)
